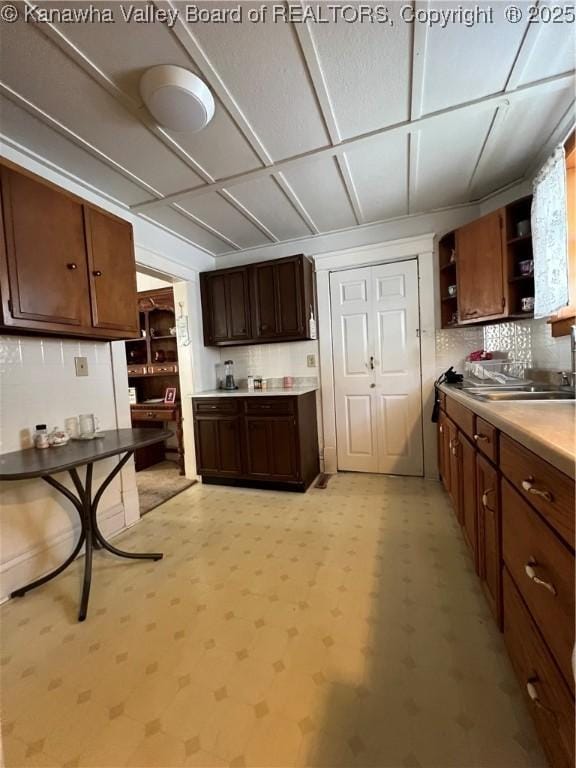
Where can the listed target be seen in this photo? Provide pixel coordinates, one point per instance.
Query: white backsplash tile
(272, 360)
(453, 345)
(529, 341)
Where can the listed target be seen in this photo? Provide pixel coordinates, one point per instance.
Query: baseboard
(42, 559)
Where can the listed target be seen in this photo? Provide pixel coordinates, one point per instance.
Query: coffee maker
(229, 382)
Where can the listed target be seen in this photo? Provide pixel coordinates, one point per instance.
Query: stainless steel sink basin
(530, 392)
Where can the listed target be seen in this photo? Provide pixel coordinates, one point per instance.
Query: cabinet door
(46, 253)
(489, 534)
(226, 306)
(218, 446)
(288, 285)
(264, 301)
(468, 495)
(112, 272)
(271, 448)
(455, 468)
(480, 268)
(444, 450)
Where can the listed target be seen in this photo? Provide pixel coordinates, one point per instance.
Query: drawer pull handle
(532, 692)
(441, 429)
(485, 497)
(531, 573)
(528, 486)
(481, 437)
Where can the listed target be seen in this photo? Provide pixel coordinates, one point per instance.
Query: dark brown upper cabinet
(480, 269)
(112, 279)
(265, 302)
(485, 267)
(226, 306)
(66, 267)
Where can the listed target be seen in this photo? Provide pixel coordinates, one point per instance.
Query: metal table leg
(90, 533)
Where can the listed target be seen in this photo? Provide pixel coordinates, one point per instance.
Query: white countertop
(546, 427)
(294, 392)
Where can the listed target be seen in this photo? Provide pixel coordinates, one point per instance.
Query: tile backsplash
(273, 360)
(527, 341)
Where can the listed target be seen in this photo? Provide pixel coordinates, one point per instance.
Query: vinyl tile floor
(343, 627)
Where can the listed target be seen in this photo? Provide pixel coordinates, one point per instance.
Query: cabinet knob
(97, 273)
(71, 265)
(480, 437)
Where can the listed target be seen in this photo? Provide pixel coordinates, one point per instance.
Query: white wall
(272, 361)
(146, 282)
(38, 385)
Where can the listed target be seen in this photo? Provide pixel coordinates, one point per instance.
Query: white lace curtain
(549, 237)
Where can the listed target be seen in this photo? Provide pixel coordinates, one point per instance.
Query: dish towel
(549, 237)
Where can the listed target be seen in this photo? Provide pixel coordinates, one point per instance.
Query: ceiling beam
(549, 84)
(284, 185)
(327, 111)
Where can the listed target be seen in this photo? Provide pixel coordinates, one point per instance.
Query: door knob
(371, 362)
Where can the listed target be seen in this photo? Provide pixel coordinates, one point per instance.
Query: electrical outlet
(81, 364)
(311, 361)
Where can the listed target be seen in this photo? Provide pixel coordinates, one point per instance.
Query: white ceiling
(318, 126)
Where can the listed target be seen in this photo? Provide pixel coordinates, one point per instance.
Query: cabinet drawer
(163, 368)
(543, 570)
(462, 416)
(269, 406)
(548, 699)
(486, 439)
(548, 490)
(442, 400)
(216, 405)
(153, 414)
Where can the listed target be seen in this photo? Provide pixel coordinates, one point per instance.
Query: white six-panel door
(376, 346)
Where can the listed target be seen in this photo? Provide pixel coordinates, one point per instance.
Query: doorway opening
(377, 368)
(155, 392)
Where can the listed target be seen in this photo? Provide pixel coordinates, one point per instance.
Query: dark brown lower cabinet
(258, 440)
(218, 445)
(489, 535)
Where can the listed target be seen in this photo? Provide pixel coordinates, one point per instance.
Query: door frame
(420, 248)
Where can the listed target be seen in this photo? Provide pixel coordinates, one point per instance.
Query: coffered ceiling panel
(319, 187)
(263, 68)
(182, 225)
(28, 131)
(380, 175)
(443, 159)
(124, 51)
(553, 51)
(525, 126)
(265, 199)
(465, 63)
(286, 155)
(32, 66)
(223, 217)
(367, 72)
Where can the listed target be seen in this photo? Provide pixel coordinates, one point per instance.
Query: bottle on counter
(258, 382)
(41, 436)
(264, 385)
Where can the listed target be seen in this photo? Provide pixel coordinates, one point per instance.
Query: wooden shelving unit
(447, 258)
(518, 248)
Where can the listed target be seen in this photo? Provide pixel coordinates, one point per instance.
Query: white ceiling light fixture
(177, 98)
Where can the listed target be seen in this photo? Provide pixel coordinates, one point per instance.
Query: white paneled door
(377, 382)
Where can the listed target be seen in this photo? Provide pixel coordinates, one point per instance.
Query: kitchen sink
(522, 392)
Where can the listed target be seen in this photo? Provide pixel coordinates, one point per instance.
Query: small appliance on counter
(229, 383)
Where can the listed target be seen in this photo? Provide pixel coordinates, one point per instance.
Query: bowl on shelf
(526, 267)
(527, 304)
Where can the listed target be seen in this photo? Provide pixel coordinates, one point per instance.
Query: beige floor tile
(342, 627)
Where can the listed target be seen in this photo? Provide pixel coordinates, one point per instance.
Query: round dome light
(177, 98)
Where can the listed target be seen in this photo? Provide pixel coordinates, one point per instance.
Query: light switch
(81, 364)
(311, 361)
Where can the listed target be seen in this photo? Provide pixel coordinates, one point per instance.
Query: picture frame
(170, 396)
(132, 397)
